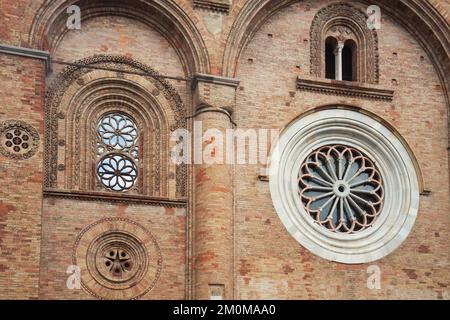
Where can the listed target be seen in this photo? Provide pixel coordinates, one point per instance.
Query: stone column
(338, 57)
(213, 251)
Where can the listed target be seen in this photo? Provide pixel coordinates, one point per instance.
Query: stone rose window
(341, 188)
(117, 152)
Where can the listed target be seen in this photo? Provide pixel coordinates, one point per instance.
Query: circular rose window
(341, 188)
(344, 185)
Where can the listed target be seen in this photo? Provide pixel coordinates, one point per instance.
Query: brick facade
(233, 64)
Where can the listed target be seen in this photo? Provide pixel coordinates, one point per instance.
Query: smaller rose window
(18, 140)
(117, 172)
(341, 189)
(117, 262)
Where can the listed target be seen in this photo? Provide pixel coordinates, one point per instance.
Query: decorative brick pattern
(217, 229)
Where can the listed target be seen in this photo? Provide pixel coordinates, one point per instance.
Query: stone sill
(345, 88)
(110, 197)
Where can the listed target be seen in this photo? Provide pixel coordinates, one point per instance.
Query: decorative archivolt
(81, 96)
(345, 184)
(344, 22)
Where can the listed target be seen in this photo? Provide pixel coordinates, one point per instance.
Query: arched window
(340, 38)
(330, 58)
(350, 61)
(110, 133)
(341, 59)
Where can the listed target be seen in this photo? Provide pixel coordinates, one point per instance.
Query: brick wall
(64, 219)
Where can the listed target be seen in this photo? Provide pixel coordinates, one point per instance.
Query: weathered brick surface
(64, 219)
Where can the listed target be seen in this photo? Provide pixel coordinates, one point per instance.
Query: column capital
(339, 48)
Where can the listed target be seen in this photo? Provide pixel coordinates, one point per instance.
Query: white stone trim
(392, 157)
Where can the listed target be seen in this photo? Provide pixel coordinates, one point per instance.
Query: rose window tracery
(341, 189)
(117, 172)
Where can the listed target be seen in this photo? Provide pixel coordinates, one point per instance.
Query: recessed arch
(49, 26)
(78, 96)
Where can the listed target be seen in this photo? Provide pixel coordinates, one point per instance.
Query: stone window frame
(394, 159)
(332, 21)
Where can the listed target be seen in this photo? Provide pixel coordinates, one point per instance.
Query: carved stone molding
(221, 6)
(345, 19)
(18, 139)
(119, 259)
(345, 88)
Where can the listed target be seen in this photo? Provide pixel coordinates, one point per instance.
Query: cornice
(218, 80)
(213, 5)
(120, 198)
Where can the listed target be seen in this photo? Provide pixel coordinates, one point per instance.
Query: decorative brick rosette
(119, 259)
(18, 139)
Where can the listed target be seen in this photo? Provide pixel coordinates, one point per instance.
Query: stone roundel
(118, 258)
(383, 196)
(18, 139)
